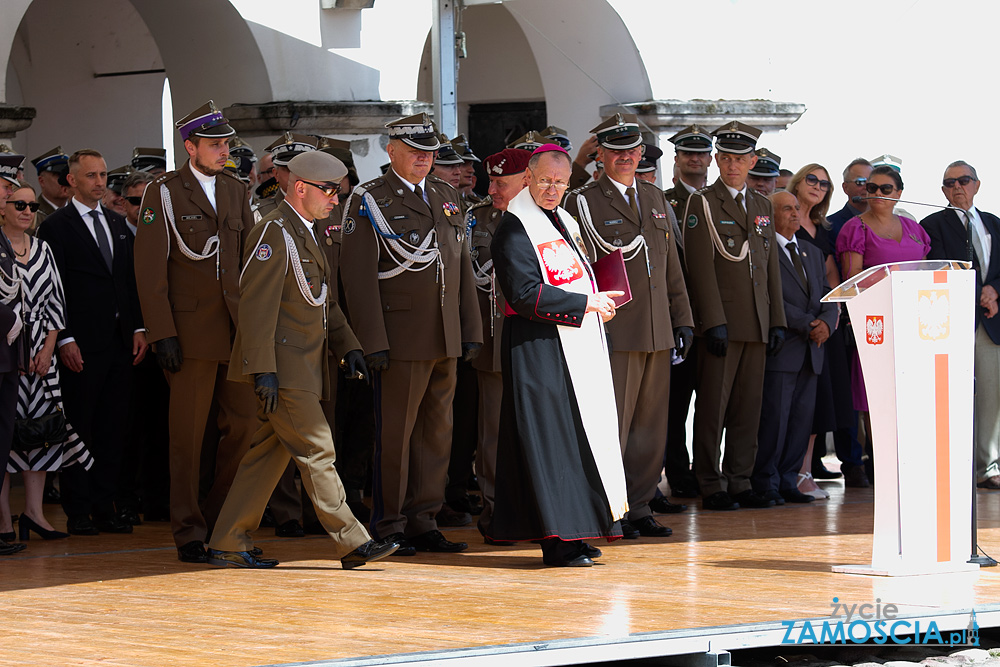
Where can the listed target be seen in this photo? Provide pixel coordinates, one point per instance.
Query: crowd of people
(183, 342)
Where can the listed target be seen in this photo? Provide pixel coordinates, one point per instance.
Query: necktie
(739, 202)
(797, 263)
(977, 241)
(420, 193)
(633, 204)
(102, 239)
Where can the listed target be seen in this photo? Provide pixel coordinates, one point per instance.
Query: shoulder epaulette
(371, 184)
(585, 186)
(163, 178)
(480, 204)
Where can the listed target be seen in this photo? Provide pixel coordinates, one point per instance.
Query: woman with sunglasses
(43, 314)
(812, 186)
(878, 236)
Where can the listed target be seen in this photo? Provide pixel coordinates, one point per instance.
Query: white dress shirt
(207, 184)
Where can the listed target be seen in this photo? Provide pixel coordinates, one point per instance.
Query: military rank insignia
(148, 216)
(451, 208)
(329, 232)
(762, 222)
(657, 215)
(263, 252)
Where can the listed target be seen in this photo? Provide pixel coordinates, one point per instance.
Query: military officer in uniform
(448, 164)
(619, 211)
(732, 264)
(646, 171)
(693, 155)
(187, 253)
(286, 310)
(507, 172)
(246, 162)
(763, 178)
(557, 135)
(411, 295)
(468, 171)
(52, 168)
(283, 149)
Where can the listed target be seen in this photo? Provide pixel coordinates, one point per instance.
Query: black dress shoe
(26, 525)
(192, 552)
(821, 472)
(81, 525)
(662, 505)
(434, 541)
(752, 499)
(772, 494)
(720, 501)
(578, 560)
(469, 504)
(113, 525)
(650, 527)
(367, 552)
(855, 477)
(239, 559)
(796, 496)
(129, 516)
(590, 551)
(685, 488)
(291, 528)
(10, 548)
(404, 546)
(629, 532)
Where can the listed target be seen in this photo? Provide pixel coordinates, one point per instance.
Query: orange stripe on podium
(943, 458)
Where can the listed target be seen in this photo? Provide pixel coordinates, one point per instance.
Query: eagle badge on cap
(148, 216)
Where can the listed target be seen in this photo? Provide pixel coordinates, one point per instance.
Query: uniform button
(548, 314)
(244, 362)
(284, 340)
(190, 229)
(223, 270)
(225, 292)
(387, 307)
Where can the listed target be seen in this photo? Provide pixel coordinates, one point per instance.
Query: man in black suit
(102, 340)
(789, 393)
(971, 234)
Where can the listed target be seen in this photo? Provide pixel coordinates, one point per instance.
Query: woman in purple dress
(878, 236)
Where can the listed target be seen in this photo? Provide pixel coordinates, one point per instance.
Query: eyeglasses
(886, 188)
(961, 180)
(21, 205)
(546, 185)
(134, 201)
(812, 179)
(860, 182)
(328, 190)
(265, 172)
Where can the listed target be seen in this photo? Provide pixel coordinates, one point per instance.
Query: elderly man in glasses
(974, 235)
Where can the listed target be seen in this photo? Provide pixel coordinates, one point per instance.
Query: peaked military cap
(288, 145)
(117, 177)
(416, 131)
(531, 140)
(461, 146)
(557, 135)
(888, 160)
(619, 132)
(9, 166)
(693, 139)
(446, 154)
(55, 161)
(650, 155)
(205, 121)
(768, 164)
(736, 137)
(146, 159)
(341, 150)
(507, 162)
(242, 149)
(267, 189)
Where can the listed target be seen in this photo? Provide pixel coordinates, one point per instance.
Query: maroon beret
(507, 162)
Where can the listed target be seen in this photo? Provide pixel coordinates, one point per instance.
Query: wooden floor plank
(125, 599)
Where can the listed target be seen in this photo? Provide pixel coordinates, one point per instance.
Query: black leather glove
(717, 340)
(168, 354)
(683, 340)
(775, 340)
(470, 351)
(378, 361)
(265, 385)
(354, 366)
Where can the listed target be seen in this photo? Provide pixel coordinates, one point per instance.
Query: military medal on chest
(761, 223)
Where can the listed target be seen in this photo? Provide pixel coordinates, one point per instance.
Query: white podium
(914, 323)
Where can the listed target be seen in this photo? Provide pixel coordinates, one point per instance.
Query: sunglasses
(328, 190)
(886, 188)
(812, 179)
(133, 201)
(21, 205)
(860, 182)
(961, 180)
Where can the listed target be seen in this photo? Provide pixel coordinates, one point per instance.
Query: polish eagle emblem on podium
(933, 314)
(874, 329)
(561, 265)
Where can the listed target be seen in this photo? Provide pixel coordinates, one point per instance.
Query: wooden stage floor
(126, 600)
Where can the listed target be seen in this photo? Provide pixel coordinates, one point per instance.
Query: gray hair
(854, 163)
(137, 178)
(963, 163)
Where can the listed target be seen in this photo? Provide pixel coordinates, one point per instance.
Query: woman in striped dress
(43, 313)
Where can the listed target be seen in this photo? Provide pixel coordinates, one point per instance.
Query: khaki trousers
(193, 390)
(642, 392)
(297, 430)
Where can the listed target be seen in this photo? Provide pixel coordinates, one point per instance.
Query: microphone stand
(981, 561)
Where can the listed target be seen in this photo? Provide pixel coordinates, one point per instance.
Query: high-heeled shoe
(26, 525)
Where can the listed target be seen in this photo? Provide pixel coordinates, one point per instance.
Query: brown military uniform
(421, 318)
(642, 331)
(196, 301)
(267, 206)
(481, 223)
(45, 209)
(745, 296)
(281, 332)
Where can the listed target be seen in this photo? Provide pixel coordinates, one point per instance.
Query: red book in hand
(609, 271)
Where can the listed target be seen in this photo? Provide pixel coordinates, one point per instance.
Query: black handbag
(39, 432)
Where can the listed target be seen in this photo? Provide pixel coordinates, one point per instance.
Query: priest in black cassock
(559, 475)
